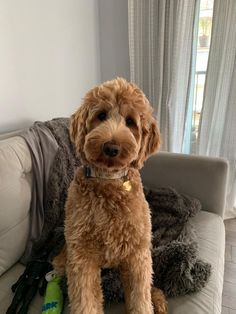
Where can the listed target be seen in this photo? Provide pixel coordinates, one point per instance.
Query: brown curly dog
(107, 220)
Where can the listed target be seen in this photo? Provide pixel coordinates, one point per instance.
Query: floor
(229, 291)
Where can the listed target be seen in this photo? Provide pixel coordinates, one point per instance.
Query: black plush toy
(27, 285)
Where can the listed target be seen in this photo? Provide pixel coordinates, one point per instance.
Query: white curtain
(218, 120)
(161, 46)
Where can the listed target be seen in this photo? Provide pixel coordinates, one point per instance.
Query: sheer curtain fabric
(161, 44)
(217, 135)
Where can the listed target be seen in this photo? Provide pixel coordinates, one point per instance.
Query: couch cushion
(210, 228)
(15, 195)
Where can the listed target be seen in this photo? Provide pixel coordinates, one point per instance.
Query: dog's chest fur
(106, 220)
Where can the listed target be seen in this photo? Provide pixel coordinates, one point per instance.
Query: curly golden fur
(108, 224)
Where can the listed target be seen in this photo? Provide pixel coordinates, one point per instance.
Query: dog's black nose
(111, 149)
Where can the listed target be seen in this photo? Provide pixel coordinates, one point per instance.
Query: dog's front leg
(136, 274)
(84, 286)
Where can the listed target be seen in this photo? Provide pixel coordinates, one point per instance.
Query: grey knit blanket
(50, 147)
(177, 268)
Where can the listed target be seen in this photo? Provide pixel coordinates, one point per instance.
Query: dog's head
(114, 127)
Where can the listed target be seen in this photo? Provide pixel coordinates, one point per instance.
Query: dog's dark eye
(102, 116)
(130, 122)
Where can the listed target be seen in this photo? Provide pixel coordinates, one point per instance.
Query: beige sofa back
(204, 178)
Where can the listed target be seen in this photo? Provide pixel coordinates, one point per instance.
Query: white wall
(114, 41)
(49, 57)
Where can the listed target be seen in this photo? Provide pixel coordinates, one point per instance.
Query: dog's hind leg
(136, 274)
(159, 301)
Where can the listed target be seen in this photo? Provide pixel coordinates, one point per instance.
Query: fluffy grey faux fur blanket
(176, 266)
(177, 269)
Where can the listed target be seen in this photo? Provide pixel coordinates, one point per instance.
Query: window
(203, 46)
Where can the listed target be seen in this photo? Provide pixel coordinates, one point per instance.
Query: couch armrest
(15, 198)
(204, 178)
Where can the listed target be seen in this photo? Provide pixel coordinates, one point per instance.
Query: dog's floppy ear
(78, 128)
(150, 142)
(153, 139)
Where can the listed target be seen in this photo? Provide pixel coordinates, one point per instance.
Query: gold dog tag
(127, 185)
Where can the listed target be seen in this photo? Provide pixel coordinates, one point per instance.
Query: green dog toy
(53, 300)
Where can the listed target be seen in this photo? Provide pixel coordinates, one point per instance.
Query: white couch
(203, 178)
